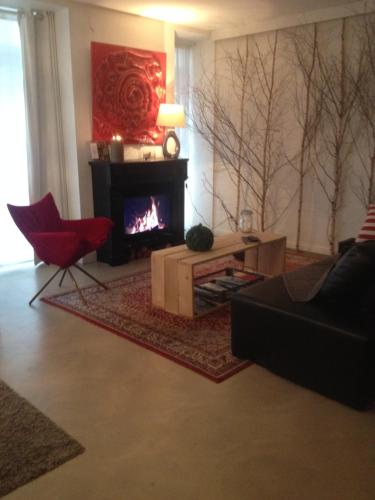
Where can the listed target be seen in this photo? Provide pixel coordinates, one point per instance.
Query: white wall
(101, 25)
(316, 207)
(78, 25)
(251, 26)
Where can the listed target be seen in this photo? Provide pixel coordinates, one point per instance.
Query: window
(13, 163)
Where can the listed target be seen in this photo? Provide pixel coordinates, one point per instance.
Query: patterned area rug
(202, 344)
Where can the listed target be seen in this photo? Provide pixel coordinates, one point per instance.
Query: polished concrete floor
(154, 430)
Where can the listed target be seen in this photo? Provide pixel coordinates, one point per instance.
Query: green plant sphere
(199, 238)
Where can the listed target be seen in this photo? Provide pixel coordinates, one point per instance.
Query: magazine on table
(201, 305)
(212, 287)
(216, 294)
(234, 282)
(231, 282)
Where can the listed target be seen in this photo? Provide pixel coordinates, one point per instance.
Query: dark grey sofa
(324, 348)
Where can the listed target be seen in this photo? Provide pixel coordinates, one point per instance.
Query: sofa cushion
(351, 276)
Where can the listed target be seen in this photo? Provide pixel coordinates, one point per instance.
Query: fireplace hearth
(145, 200)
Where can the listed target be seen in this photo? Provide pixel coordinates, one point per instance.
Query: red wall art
(127, 87)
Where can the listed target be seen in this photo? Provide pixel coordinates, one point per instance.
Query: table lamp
(170, 116)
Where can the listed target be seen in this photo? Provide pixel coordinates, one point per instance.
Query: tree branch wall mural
(243, 127)
(337, 83)
(307, 105)
(272, 159)
(364, 184)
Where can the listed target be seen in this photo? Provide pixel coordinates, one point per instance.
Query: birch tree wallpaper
(290, 117)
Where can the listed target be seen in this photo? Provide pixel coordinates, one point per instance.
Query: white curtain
(13, 172)
(45, 141)
(183, 72)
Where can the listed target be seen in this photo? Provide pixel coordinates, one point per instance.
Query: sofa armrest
(344, 245)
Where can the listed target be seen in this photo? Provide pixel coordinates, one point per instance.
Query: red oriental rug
(202, 344)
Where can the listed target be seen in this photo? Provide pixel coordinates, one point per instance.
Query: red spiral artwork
(128, 86)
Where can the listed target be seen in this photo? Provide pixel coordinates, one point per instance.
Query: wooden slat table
(172, 269)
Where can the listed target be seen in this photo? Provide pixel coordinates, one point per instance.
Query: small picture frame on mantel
(99, 150)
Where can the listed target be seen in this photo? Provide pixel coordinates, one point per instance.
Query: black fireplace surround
(118, 186)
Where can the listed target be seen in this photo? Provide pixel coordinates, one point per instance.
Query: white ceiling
(217, 14)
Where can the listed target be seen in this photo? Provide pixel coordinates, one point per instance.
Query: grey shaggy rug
(30, 443)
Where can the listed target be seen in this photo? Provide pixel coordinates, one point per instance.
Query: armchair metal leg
(45, 285)
(67, 270)
(90, 276)
(77, 287)
(62, 277)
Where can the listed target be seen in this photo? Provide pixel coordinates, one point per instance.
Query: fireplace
(145, 199)
(146, 213)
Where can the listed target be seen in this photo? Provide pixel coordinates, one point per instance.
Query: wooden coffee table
(172, 269)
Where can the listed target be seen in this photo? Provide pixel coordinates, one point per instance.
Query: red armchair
(58, 241)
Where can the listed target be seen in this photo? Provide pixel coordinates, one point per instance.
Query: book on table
(202, 305)
(211, 290)
(220, 287)
(231, 282)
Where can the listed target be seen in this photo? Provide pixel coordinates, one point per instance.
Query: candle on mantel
(117, 149)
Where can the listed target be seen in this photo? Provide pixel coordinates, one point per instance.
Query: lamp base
(171, 145)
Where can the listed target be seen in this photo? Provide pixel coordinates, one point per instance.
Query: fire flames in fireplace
(145, 214)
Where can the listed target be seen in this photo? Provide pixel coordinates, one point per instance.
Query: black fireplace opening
(143, 214)
(147, 218)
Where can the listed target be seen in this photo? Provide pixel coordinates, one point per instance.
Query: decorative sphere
(199, 238)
